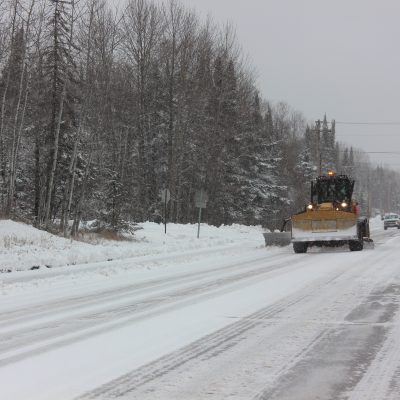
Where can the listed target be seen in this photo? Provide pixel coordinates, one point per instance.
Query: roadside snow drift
(23, 247)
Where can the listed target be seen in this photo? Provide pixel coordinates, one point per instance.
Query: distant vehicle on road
(391, 221)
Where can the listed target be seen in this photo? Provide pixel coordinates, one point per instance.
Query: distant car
(391, 221)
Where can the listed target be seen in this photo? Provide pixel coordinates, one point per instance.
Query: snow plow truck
(330, 218)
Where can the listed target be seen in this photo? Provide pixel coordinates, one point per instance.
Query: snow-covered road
(232, 321)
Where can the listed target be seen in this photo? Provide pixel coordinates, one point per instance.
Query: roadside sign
(165, 195)
(201, 198)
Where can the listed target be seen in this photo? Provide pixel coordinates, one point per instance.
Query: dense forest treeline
(101, 109)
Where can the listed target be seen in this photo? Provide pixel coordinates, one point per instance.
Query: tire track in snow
(210, 346)
(334, 367)
(217, 344)
(36, 311)
(382, 379)
(21, 343)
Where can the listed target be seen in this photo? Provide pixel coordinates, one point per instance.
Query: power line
(382, 152)
(373, 152)
(366, 123)
(369, 135)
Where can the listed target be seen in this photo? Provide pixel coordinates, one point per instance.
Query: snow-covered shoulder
(23, 247)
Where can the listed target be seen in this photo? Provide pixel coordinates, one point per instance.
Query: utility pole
(318, 132)
(368, 196)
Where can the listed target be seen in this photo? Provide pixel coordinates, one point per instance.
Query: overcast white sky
(339, 57)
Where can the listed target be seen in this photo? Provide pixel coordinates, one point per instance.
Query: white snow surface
(24, 247)
(176, 317)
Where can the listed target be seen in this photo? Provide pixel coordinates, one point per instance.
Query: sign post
(165, 197)
(200, 198)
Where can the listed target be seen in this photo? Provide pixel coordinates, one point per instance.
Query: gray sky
(339, 57)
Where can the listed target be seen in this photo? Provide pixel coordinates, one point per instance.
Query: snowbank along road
(234, 321)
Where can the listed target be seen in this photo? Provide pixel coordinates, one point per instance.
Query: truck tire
(300, 247)
(356, 245)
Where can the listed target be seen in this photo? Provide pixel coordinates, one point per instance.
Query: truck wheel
(300, 247)
(356, 245)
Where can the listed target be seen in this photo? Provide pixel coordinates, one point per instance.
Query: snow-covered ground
(23, 247)
(176, 317)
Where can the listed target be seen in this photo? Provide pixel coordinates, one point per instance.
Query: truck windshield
(332, 190)
(392, 216)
